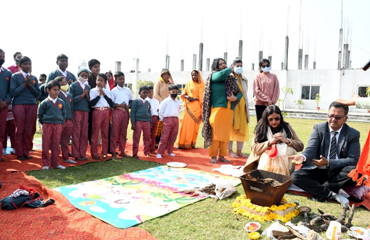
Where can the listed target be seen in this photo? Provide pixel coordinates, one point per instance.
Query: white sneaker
(60, 167)
(69, 161)
(159, 155)
(172, 154)
(12, 151)
(45, 167)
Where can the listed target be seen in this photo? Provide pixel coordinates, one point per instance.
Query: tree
(144, 83)
(286, 91)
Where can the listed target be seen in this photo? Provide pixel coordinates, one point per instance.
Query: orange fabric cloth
(192, 118)
(363, 166)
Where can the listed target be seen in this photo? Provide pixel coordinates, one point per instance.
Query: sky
(124, 30)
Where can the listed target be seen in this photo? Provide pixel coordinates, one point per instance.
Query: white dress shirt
(25, 74)
(121, 94)
(53, 100)
(1, 69)
(64, 93)
(169, 108)
(64, 73)
(102, 102)
(82, 85)
(154, 106)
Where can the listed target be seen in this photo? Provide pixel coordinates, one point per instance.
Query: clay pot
(318, 108)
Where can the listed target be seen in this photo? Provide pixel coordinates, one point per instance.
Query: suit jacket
(348, 147)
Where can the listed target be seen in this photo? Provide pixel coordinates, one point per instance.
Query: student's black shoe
(27, 157)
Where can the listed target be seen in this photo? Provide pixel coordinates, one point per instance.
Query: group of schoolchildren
(69, 106)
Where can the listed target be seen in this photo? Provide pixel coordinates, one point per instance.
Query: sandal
(214, 160)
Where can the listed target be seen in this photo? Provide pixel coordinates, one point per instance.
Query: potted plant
(317, 100)
(299, 103)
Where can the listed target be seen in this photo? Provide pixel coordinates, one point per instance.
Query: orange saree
(192, 118)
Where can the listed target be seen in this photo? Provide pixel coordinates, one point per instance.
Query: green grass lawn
(205, 219)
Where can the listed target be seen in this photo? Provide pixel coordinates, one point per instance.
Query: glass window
(309, 92)
(362, 91)
(314, 90)
(305, 92)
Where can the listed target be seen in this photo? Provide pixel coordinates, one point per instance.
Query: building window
(362, 91)
(309, 92)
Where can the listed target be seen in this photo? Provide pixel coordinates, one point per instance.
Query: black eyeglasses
(336, 117)
(272, 119)
(268, 65)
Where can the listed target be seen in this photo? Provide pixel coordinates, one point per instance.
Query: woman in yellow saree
(192, 98)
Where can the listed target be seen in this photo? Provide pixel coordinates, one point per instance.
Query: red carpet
(58, 221)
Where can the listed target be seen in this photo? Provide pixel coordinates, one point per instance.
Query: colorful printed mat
(130, 199)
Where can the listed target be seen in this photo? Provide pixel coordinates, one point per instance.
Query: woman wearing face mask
(266, 88)
(15, 68)
(221, 95)
(239, 127)
(274, 140)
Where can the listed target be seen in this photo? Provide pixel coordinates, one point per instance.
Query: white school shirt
(1, 69)
(169, 108)
(121, 94)
(25, 74)
(65, 73)
(53, 100)
(154, 106)
(64, 93)
(102, 102)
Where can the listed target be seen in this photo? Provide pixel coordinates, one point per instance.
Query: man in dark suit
(332, 152)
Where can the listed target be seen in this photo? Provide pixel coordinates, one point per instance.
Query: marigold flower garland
(245, 207)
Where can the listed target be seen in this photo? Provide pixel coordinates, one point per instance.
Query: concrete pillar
(306, 62)
(182, 65)
(260, 56)
(200, 64)
(348, 58)
(134, 84)
(240, 56)
(117, 66)
(314, 64)
(282, 65)
(225, 56)
(286, 52)
(270, 59)
(252, 66)
(340, 48)
(194, 61)
(300, 58)
(345, 56)
(208, 64)
(167, 62)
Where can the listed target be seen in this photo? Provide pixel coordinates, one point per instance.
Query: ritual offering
(284, 211)
(265, 188)
(252, 226)
(254, 235)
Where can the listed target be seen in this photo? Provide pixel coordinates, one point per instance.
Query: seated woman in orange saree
(190, 122)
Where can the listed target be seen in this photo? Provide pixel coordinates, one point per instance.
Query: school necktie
(333, 146)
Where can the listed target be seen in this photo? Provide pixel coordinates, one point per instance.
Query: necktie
(333, 146)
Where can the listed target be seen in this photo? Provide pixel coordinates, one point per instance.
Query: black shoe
(27, 157)
(2, 160)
